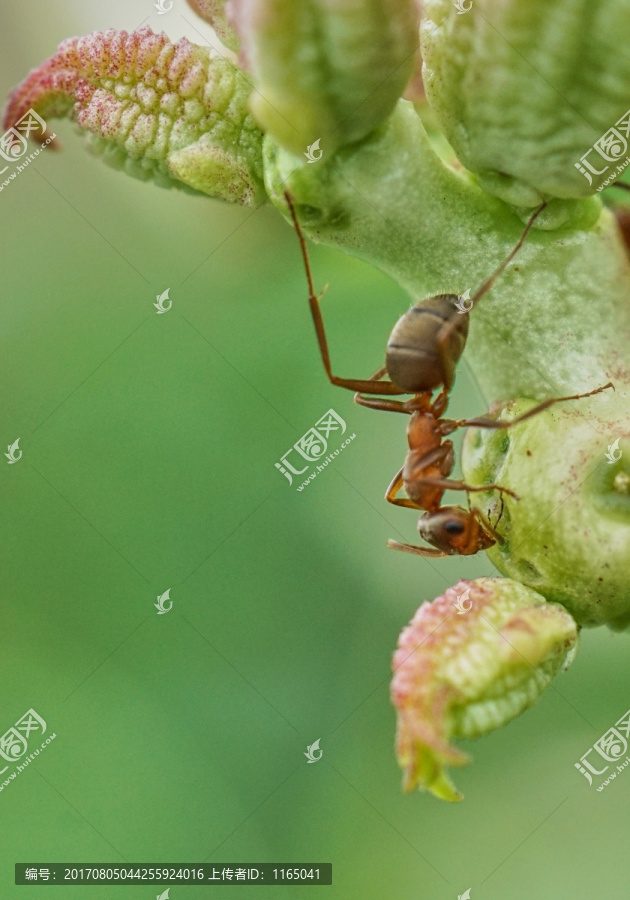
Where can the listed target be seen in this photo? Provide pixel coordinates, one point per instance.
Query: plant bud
(325, 70)
(524, 91)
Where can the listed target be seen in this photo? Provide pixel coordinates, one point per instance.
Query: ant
(422, 353)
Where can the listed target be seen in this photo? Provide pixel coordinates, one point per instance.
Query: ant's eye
(453, 527)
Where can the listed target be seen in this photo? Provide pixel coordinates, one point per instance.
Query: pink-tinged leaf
(155, 109)
(216, 13)
(469, 662)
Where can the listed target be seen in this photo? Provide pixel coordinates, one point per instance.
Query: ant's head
(454, 530)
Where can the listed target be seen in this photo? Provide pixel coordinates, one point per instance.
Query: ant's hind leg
(487, 284)
(378, 402)
(368, 386)
(447, 364)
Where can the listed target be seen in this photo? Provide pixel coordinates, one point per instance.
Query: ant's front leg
(392, 490)
(484, 521)
(413, 548)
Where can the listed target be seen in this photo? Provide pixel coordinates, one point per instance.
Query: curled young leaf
(329, 70)
(469, 662)
(156, 109)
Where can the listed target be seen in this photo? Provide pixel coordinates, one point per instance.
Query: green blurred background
(149, 446)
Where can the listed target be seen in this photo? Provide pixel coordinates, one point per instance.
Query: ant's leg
(392, 490)
(620, 184)
(440, 404)
(451, 485)
(485, 523)
(500, 514)
(412, 548)
(379, 403)
(487, 284)
(447, 364)
(368, 386)
(498, 423)
(442, 456)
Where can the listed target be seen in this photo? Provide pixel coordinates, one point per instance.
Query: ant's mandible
(422, 354)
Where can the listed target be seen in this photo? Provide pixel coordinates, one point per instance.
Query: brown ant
(422, 353)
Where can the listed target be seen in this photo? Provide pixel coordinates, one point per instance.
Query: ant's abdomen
(414, 359)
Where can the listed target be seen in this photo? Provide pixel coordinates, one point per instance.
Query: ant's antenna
(485, 287)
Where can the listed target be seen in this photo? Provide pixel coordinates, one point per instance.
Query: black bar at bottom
(173, 873)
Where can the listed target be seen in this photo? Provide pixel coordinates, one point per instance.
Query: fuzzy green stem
(561, 310)
(557, 322)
